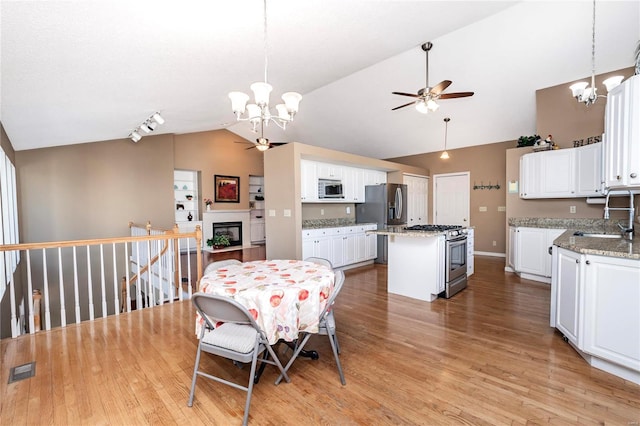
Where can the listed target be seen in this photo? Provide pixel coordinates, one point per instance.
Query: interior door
(451, 199)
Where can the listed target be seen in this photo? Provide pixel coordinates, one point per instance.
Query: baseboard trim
(489, 253)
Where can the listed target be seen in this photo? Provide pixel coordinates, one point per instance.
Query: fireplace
(233, 231)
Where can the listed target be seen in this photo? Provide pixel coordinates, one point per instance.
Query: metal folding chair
(327, 327)
(239, 338)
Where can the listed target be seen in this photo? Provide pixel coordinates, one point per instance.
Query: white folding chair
(219, 264)
(239, 339)
(327, 327)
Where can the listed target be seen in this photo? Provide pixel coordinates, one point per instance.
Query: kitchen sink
(586, 234)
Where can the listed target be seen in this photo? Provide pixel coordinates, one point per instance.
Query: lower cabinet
(258, 234)
(596, 303)
(529, 251)
(342, 246)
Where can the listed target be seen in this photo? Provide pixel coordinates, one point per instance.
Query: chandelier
(581, 91)
(258, 113)
(445, 154)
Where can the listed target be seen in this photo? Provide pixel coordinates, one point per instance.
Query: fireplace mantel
(211, 216)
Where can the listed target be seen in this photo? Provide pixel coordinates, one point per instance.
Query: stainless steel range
(455, 255)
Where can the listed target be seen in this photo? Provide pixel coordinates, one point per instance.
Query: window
(9, 229)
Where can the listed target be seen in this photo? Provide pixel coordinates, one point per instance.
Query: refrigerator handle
(399, 203)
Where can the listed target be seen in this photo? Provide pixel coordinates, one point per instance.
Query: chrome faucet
(627, 231)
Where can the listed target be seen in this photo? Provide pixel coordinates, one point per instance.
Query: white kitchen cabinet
(588, 170)
(611, 316)
(308, 181)
(595, 299)
(374, 177)
(353, 184)
(565, 173)
(530, 251)
(622, 135)
(547, 174)
(329, 171)
(470, 249)
(417, 199)
(342, 246)
(317, 243)
(566, 284)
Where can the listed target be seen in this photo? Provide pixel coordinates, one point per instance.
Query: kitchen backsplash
(327, 223)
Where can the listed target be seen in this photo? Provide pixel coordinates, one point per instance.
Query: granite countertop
(330, 223)
(612, 247)
(402, 232)
(600, 226)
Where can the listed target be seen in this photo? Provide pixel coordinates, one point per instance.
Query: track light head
(158, 118)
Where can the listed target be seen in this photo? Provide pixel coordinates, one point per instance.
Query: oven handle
(457, 239)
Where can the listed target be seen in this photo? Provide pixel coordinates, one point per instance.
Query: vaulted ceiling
(86, 71)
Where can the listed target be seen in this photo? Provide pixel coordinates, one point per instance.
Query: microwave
(329, 188)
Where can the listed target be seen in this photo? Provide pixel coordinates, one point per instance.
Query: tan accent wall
(486, 165)
(217, 153)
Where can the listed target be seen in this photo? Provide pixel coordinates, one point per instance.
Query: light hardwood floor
(486, 356)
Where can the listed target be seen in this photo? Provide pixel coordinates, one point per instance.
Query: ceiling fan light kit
(258, 113)
(427, 96)
(581, 90)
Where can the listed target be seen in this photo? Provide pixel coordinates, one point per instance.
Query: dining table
(285, 297)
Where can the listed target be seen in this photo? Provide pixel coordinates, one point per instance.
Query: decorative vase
(190, 217)
(208, 207)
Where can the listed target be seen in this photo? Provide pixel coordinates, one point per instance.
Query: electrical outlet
(502, 209)
(572, 209)
(272, 213)
(348, 210)
(321, 212)
(483, 208)
(286, 213)
(494, 243)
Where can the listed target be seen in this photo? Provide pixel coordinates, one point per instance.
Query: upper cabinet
(565, 173)
(353, 180)
(622, 135)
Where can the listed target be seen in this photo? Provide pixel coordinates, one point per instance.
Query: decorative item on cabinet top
(483, 186)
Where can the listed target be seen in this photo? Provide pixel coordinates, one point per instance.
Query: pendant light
(445, 154)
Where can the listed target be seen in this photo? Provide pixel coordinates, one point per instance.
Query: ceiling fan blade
(402, 106)
(405, 94)
(440, 87)
(277, 143)
(245, 142)
(251, 147)
(456, 95)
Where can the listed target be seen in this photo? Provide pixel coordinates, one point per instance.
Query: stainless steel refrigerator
(385, 204)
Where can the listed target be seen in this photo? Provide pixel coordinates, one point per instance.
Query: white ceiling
(85, 71)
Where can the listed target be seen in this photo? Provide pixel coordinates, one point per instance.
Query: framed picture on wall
(227, 189)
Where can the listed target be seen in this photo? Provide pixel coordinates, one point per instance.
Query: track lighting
(135, 136)
(147, 126)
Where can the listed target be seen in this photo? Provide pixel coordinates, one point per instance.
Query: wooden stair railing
(67, 274)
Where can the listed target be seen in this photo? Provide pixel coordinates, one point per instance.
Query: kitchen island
(416, 262)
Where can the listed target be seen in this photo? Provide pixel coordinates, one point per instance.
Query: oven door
(456, 253)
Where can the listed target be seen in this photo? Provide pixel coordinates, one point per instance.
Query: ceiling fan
(262, 143)
(427, 96)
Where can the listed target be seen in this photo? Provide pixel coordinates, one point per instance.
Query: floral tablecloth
(284, 296)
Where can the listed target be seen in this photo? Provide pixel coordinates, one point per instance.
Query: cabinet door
(611, 316)
(568, 315)
(308, 181)
(557, 173)
(551, 235)
(257, 232)
(337, 249)
(374, 177)
(529, 176)
(513, 247)
(588, 162)
(353, 184)
(531, 250)
(622, 135)
(371, 247)
(329, 171)
(349, 246)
